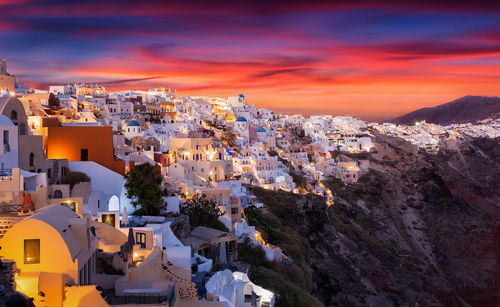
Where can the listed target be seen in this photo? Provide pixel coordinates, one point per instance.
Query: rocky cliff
(417, 230)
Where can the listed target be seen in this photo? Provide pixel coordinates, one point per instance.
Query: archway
(114, 203)
(58, 194)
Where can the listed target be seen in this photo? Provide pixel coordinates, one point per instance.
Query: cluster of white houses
(66, 237)
(428, 136)
(73, 243)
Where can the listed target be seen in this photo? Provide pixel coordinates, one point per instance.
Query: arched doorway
(114, 203)
(58, 194)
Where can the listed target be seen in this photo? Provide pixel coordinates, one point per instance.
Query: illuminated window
(31, 251)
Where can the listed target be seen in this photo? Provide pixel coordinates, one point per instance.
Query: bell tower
(3, 67)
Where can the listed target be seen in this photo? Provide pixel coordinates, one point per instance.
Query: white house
(9, 139)
(52, 249)
(235, 289)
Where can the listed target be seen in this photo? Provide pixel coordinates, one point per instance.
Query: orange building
(77, 143)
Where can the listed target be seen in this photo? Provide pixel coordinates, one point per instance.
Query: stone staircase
(187, 289)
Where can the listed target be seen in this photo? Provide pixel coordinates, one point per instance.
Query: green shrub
(203, 212)
(254, 255)
(289, 294)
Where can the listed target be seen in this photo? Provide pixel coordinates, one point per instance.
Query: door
(84, 154)
(140, 239)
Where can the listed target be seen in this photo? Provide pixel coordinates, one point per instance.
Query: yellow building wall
(51, 284)
(54, 254)
(213, 194)
(149, 269)
(83, 296)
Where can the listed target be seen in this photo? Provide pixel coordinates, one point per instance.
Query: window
(140, 238)
(84, 154)
(13, 115)
(6, 144)
(32, 159)
(109, 219)
(31, 251)
(58, 194)
(234, 210)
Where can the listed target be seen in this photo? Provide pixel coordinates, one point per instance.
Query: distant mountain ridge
(462, 110)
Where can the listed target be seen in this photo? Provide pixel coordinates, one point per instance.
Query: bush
(73, 178)
(203, 212)
(290, 295)
(254, 255)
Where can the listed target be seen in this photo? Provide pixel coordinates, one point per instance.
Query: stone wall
(8, 295)
(180, 227)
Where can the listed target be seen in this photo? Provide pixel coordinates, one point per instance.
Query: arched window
(32, 159)
(13, 115)
(58, 194)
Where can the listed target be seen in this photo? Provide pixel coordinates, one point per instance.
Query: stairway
(187, 289)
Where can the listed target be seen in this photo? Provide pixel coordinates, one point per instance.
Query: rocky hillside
(464, 110)
(417, 230)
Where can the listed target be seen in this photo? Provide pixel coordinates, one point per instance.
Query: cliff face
(417, 229)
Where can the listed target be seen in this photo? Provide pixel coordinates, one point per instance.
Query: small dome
(133, 123)
(5, 121)
(261, 129)
(241, 96)
(241, 119)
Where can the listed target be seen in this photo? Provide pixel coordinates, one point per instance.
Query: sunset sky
(371, 61)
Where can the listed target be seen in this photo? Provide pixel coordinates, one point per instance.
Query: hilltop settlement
(143, 197)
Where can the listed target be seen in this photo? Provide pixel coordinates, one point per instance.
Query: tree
(143, 188)
(203, 212)
(54, 101)
(228, 138)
